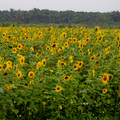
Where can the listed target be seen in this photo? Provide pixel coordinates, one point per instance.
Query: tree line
(46, 16)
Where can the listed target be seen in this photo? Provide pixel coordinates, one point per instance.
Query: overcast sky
(62, 5)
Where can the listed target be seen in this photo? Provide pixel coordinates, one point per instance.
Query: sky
(62, 5)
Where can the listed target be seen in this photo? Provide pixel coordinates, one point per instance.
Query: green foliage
(59, 73)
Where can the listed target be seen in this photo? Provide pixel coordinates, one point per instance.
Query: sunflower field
(59, 73)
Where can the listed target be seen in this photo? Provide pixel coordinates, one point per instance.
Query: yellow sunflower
(75, 67)
(66, 78)
(14, 50)
(44, 62)
(92, 58)
(38, 65)
(31, 74)
(104, 91)
(19, 46)
(22, 59)
(105, 78)
(26, 85)
(31, 82)
(19, 74)
(58, 88)
(66, 44)
(31, 48)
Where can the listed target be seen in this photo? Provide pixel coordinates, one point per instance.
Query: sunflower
(62, 48)
(9, 63)
(66, 78)
(51, 70)
(60, 107)
(66, 44)
(31, 74)
(58, 88)
(26, 85)
(75, 67)
(8, 87)
(31, 82)
(80, 63)
(104, 91)
(39, 33)
(88, 38)
(54, 45)
(74, 40)
(64, 34)
(59, 63)
(31, 48)
(107, 50)
(9, 67)
(14, 50)
(9, 36)
(92, 58)
(22, 59)
(105, 78)
(19, 74)
(4, 34)
(47, 48)
(19, 46)
(63, 64)
(38, 54)
(71, 59)
(44, 62)
(38, 65)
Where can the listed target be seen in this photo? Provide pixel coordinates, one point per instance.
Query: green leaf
(90, 101)
(1, 90)
(80, 108)
(15, 111)
(20, 101)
